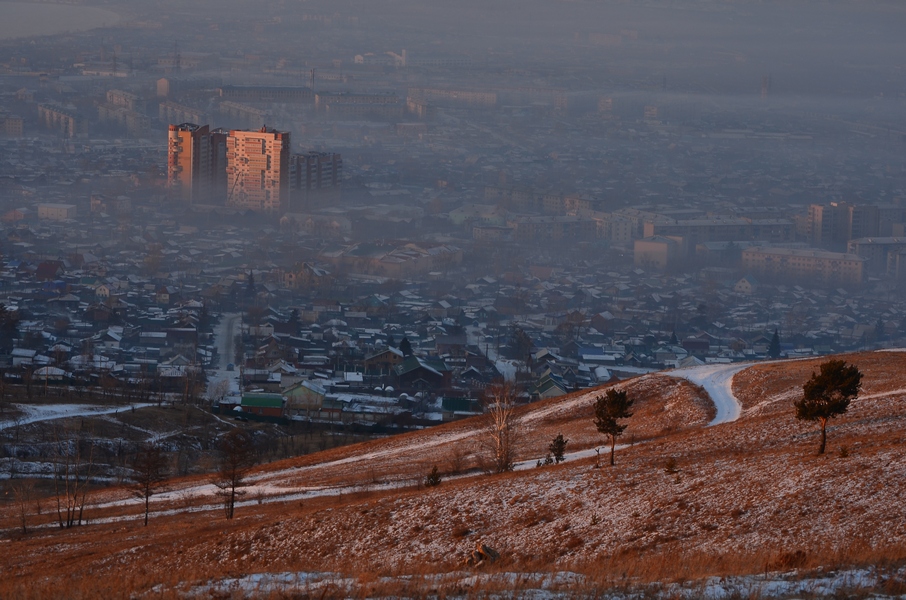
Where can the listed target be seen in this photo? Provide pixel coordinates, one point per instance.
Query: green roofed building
(264, 405)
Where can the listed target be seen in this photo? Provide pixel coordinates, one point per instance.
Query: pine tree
(557, 448)
(610, 408)
(406, 347)
(879, 330)
(673, 339)
(774, 348)
(433, 478)
(828, 394)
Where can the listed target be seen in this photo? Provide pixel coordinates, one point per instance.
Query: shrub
(557, 448)
(433, 478)
(548, 460)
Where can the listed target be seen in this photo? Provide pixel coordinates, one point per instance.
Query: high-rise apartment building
(863, 221)
(827, 224)
(189, 174)
(258, 170)
(832, 225)
(314, 179)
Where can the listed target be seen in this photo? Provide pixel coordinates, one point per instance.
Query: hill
(685, 502)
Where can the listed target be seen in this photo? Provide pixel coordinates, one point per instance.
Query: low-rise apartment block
(56, 212)
(828, 268)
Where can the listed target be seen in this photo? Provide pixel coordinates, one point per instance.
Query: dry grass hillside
(684, 502)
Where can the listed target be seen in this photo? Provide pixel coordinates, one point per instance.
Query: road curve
(717, 380)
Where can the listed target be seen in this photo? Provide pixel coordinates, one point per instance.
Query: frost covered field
(741, 508)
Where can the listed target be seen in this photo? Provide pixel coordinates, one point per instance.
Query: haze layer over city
(322, 223)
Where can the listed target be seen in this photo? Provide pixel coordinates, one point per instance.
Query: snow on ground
(587, 453)
(266, 487)
(531, 585)
(559, 407)
(558, 584)
(252, 494)
(506, 367)
(34, 413)
(718, 382)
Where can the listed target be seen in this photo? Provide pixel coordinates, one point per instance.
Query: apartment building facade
(257, 170)
(189, 163)
(828, 268)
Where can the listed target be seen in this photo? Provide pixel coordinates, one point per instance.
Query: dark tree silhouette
(673, 339)
(557, 448)
(150, 468)
(406, 347)
(774, 347)
(828, 394)
(522, 344)
(433, 478)
(9, 322)
(609, 409)
(236, 454)
(23, 496)
(294, 320)
(204, 318)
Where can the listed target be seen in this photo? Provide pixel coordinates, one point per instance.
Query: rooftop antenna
(312, 80)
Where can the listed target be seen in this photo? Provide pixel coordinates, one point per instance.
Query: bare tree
(2, 393)
(501, 427)
(236, 455)
(190, 385)
(73, 467)
(150, 468)
(218, 391)
(23, 494)
(238, 350)
(27, 378)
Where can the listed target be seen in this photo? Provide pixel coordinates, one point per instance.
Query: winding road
(717, 380)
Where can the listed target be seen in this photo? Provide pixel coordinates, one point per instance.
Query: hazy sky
(18, 20)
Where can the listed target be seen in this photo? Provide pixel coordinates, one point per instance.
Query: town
(475, 299)
(374, 237)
